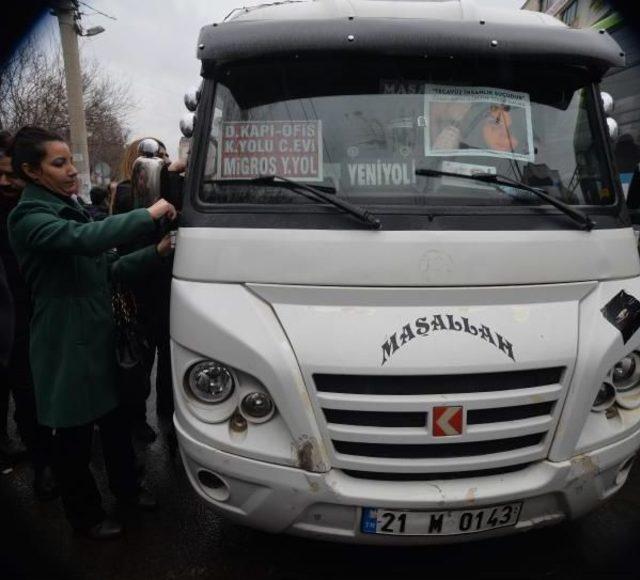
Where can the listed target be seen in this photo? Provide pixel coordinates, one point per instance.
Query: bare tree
(32, 92)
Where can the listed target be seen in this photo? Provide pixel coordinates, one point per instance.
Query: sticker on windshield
(385, 173)
(623, 311)
(477, 121)
(292, 149)
(466, 169)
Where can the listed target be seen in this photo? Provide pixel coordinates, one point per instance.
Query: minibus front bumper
(277, 498)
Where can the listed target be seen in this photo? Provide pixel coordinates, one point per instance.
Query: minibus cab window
(362, 127)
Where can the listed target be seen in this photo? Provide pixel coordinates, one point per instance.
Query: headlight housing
(257, 407)
(218, 392)
(624, 380)
(210, 382)
(626, 373)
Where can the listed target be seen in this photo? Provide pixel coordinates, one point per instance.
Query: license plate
(445, 523)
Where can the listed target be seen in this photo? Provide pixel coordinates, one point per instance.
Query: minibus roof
(449, 29)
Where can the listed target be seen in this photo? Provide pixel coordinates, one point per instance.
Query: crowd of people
(61, 262)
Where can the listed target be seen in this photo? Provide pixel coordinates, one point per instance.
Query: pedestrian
(9, 193)
(69, 266)
(7, 318)
(111, 195)
(7, 322)
(99, 208)
(15, 376)
(123, 201)
(7, 313)
(152, 297)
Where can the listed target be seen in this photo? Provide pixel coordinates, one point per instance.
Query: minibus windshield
(362, 127)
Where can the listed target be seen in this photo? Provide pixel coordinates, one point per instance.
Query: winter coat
(69, 265)
(6, 318)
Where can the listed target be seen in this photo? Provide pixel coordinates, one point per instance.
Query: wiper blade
(364, 215)
(585, 222)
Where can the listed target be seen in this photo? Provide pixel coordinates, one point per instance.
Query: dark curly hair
(28, 146)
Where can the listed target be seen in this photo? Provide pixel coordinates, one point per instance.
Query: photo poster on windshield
(291, 149)
(477, 121)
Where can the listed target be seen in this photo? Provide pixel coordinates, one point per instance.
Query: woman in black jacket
(152, 301)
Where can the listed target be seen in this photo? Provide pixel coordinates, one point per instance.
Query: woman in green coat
(69, 265)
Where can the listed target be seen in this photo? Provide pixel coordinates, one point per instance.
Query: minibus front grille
(501, 414)
(436, 476)
(474, 417)
(373, 420)
(443, 450)
(435, 384)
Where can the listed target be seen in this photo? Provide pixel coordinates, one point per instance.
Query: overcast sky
(151, 45)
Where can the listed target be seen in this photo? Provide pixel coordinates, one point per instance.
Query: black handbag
(132, 345)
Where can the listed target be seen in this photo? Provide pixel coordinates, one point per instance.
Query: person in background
(122, 201)
(153, 300)
(7, 319)
(111, 195)
(69, 266)
(7, 324)
(15, 376)
(10, 189)
(99, 208)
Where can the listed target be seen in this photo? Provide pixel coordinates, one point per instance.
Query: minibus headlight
(210, 382)
(605, 398)
(257, 407)
(626, 373)
(625, 378)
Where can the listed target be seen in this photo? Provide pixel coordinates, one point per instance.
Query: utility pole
(66, 13)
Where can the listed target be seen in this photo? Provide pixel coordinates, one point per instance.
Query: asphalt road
(185, 539)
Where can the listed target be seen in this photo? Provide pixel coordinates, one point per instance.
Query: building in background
(623, 84)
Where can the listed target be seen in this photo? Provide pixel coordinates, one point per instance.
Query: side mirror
(607, 103)
(614, 130)
(148, 181)
(186, 124)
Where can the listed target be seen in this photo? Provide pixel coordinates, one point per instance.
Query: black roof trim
(236, 41)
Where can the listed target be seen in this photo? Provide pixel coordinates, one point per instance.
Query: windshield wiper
(584, 221)
(364, 215)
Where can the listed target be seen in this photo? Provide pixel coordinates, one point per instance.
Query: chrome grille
(382, 424)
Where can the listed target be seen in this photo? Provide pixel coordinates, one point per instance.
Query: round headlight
(624, 369)
(605, 398)
(257, 407)
(210, 382)
(626, 373)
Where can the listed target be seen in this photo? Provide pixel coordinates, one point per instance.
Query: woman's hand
(177, 166)
(162, 208)
(164, 246)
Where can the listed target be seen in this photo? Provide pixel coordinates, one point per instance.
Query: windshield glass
(364, 126)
